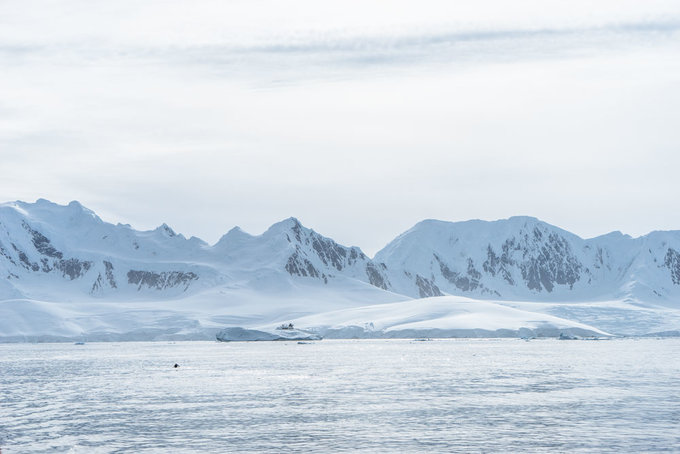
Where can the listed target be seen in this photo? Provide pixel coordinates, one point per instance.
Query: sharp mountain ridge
(66, 252)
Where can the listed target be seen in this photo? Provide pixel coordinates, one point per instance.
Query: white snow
(448, 316)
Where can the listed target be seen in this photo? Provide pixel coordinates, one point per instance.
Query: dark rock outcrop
(162, 280)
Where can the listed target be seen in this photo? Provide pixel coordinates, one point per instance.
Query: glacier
(66, 274)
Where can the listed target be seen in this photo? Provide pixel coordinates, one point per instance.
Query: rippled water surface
(333, 396)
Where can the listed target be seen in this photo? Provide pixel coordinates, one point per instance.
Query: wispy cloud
(246, 112)
(296, 55)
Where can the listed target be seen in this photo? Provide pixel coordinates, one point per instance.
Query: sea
(391, 396)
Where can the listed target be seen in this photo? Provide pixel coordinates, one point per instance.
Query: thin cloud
(214, 114)
(360, 52)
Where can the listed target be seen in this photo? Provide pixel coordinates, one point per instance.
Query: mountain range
(63, 269)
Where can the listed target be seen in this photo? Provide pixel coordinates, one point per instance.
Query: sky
(360, 118)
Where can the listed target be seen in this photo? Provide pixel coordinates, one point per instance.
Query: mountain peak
(48, 211)
(287, 225)
(291, 222)
(524, 219)
(165, 230)
(615, 235)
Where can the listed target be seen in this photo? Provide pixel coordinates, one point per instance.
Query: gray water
(335, 396)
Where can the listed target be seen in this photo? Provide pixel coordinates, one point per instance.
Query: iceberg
(239, 334)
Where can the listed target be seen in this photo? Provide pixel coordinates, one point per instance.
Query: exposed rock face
(160, 281)
(107, 280)
(23, 258)
(426, 287)
(49, 258)
(332, 254)
(109, 274)
(465, 281)
(500, 265)
(315, 256)
(6, 255)
(672, 262)
(545, 260)
(73, 268)
(376, 275)
(298, 265)
(42, 244)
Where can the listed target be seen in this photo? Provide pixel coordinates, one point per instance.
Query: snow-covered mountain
(300, 252)
(522, 258)
(53, 252)
(65, 273)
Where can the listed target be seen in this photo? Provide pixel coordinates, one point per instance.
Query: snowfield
(445, 316)
(66, 274)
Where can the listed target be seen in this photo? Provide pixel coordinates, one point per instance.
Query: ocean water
(339, 396)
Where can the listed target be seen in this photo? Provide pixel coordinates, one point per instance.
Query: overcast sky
(360, 118)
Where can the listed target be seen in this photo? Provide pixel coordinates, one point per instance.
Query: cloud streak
(294, 55)
(220, 113)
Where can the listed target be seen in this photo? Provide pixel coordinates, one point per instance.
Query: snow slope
(447, 316)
